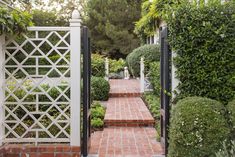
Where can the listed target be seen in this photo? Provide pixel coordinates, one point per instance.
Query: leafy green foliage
(111, 26)
(231, 111)
(197, 128)
(97, 111)
(97, 65)
(100, 87)
(154, 76)
(97, 123)
(48, 18)
(228, 150)
(97, 115)
(149, 52)
(13, 22)
(116, 66)
(152, 15)
(153, 103)
(204, 40)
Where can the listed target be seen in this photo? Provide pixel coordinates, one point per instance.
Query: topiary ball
(197, 128)
(101, 88)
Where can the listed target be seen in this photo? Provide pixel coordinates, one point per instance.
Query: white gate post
(142, 75)
(175, 81)
(75, 70)
(106, 68)
(2, 95)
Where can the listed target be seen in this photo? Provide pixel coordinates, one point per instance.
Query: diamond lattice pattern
(37, 87)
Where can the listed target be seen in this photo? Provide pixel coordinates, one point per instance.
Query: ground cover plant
(97, 115)
(153, 103)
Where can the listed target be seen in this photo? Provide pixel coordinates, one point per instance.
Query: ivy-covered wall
(204, 39)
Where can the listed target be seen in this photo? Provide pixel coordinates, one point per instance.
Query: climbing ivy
(13, 22)
(204, 39)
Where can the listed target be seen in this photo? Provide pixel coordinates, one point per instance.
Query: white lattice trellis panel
(37, 86)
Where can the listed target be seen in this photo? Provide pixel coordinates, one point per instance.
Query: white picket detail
(40, 100)
(106, 69)
(142, 75)
(145, 84)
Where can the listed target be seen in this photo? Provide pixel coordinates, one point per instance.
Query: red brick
(130, 112)
(75, 149)
(122, 141)
(63, 155)
(76, 155)
(124, 88)
(45, 154)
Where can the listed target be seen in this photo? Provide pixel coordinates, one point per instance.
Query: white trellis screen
(41, 88)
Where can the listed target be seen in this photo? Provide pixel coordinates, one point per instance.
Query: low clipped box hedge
(197, 128)
(149, 52)
(204, 40)
(100, 88)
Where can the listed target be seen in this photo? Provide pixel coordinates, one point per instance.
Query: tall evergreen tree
(112, 23)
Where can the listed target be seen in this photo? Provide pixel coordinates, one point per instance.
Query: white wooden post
(142, 75)
(174, 80)
(2, 95)
(106, 68)
(75, 59)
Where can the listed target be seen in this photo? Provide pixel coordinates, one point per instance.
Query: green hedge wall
(154, 77)
(204, 39)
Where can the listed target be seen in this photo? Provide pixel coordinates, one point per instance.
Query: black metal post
(165, 85)
(86, 92)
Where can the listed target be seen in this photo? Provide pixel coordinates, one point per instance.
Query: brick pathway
(129, 130)
(122, 88)
(125, 142)
(127, 112)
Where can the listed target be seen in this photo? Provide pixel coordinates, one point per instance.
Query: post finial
(76, 14)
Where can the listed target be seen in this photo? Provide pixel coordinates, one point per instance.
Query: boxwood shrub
(100, 88)
(204, 40)
(149, 52)
(197, 128)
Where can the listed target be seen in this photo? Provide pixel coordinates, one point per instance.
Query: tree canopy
(111, 23)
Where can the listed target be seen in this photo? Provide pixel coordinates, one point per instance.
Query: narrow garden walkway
(129, 130)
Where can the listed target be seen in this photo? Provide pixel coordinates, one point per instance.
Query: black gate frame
(86, 123)
(165, 86)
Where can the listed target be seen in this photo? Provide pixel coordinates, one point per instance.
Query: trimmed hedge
(100, 88)
(149, 52)
(197, 128)
(154, 77)
(204, 40)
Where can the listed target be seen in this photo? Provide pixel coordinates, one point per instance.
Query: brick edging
(53, 150)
